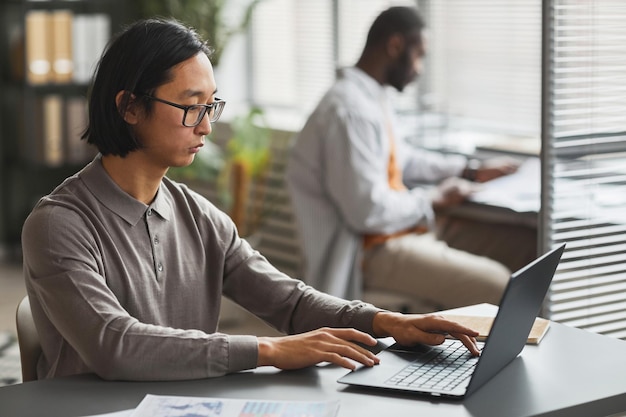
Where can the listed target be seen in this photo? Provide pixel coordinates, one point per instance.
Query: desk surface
(559, 377)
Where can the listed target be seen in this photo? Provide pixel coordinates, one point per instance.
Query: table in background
(500, 220)
(570, 373)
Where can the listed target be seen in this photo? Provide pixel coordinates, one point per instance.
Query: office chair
(28, 340)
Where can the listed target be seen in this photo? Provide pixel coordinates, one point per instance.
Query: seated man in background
(359, 224)
(125, 269)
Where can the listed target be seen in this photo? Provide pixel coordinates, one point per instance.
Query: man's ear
(395, 45)
(126, 104)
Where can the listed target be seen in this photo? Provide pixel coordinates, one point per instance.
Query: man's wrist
(264, 349)
(382, 323)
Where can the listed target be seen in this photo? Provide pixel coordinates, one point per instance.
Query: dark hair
(403, 20)
(137, 60)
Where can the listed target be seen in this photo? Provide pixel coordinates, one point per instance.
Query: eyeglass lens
(195, 114)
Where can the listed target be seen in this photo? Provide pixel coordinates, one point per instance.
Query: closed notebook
(482, 325)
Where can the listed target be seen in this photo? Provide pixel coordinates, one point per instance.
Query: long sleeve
(290, 305)
(424, 166)
(85, 327)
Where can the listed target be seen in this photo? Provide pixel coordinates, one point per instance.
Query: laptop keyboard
(442, 368)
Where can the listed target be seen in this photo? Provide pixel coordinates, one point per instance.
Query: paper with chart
(181, 406)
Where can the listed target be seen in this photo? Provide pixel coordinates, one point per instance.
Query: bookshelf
(48, 51)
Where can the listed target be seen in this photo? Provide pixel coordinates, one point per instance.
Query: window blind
(292, 53)
(584, 161)
(483, 65)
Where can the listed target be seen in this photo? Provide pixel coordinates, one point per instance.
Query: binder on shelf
(80, 48)
(61, 34)
(38, 47)
(101, 34)
(60, 47)
(90, 35)
(63, 47)
(53, 130)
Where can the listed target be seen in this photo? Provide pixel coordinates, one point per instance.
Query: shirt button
(156, 240)
(160, 267)
(149, 212)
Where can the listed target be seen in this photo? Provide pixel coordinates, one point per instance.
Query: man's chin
(182, 163)
(401, 86)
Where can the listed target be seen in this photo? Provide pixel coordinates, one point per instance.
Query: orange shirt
(395, 183)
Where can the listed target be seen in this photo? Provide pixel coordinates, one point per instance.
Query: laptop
(449, 370)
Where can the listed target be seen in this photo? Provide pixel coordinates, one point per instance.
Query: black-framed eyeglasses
(194, 113)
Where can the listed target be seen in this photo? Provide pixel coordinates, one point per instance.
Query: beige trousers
(513, 245)
(430, 270)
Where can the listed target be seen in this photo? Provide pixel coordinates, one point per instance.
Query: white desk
(571, 373)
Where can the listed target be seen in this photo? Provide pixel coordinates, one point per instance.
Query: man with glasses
(125, 268)
(360, 225)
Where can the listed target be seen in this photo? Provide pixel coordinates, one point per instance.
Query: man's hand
(496, 167)
(323, 345)
(430, 329)
(451, 192)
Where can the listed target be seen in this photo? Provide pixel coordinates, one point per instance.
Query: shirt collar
(367, 83)
(102, 186)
